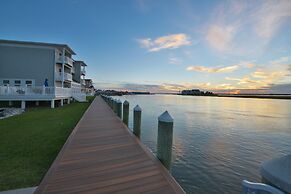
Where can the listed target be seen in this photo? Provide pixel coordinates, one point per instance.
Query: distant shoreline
(265, 96)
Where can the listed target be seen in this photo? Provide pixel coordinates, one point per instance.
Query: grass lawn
(30, 142)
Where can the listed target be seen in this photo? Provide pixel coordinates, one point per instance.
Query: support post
(125, 112)
(119, 108)
(165, 139)
(69, 100)
(63, 67)
(36, 103)
(10, 103)
(62, 102)
(52, 103)
(137, 120)
(22, 104)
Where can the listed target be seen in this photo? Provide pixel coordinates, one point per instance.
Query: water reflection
(217, 141)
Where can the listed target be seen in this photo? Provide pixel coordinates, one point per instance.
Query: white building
(35, 71)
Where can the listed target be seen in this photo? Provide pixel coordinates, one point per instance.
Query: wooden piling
(137, 120)
(119, 108)
(125, 112)
(165, 139)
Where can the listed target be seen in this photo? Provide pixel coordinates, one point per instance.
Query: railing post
(119, 108)
(137, 120)
(125, 112)
(165, 139)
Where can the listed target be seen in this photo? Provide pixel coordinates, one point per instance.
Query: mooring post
(115, 105)
(137, 120)
(125, 112)
(111, 103)
(165, 139)
(119, 108)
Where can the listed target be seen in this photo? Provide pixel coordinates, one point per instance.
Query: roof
(59, 46)
(81, 62)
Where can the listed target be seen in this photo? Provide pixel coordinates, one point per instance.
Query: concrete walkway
(29, 190)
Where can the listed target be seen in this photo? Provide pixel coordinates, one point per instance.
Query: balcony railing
(83, 72)
(68, 60)
(38, 92)
(67, 76)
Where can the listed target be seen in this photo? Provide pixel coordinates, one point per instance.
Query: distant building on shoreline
(196, 92)
(119, 93)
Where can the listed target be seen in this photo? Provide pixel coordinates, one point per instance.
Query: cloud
(245, 27)
(260, 78)
(279, 88)
(225, 69)
(270, 17)
(221, 37)
(282, 60)
(174, 60)
(247, 64)
(262, 74)
(165, 42)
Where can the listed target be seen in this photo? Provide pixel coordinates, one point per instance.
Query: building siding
(27, 63)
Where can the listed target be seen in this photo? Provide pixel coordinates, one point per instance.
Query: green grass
(30, 142)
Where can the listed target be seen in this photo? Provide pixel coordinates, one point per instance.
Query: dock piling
(119, 108)
(137, 120)
(114, 106)
(125, 112)
(165, 139)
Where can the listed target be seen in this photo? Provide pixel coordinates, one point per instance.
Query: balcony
(68, 60)
(83, 72)
(67, 76)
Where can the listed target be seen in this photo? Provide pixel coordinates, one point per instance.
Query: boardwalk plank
(102, 156)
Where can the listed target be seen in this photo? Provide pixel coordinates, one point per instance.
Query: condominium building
(37, 71)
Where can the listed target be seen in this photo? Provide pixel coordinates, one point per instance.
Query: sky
(235, 46)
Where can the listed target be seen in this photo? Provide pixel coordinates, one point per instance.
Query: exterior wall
(27, 63)
(77, 74)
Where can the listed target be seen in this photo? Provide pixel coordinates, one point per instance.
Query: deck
(102, 156)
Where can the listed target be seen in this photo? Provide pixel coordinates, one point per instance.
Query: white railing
(68, 60)
(38, 91)
(83, 71)
(26, 91)
(63, 92)
(67, 76)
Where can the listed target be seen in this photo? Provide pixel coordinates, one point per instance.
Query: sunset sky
(165, 46)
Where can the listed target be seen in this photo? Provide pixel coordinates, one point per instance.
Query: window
(5, 82)
(28, 83)
(17, 82)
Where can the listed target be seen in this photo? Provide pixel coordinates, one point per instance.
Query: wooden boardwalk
(102, 156)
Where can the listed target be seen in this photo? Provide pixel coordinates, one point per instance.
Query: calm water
(218, 142)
